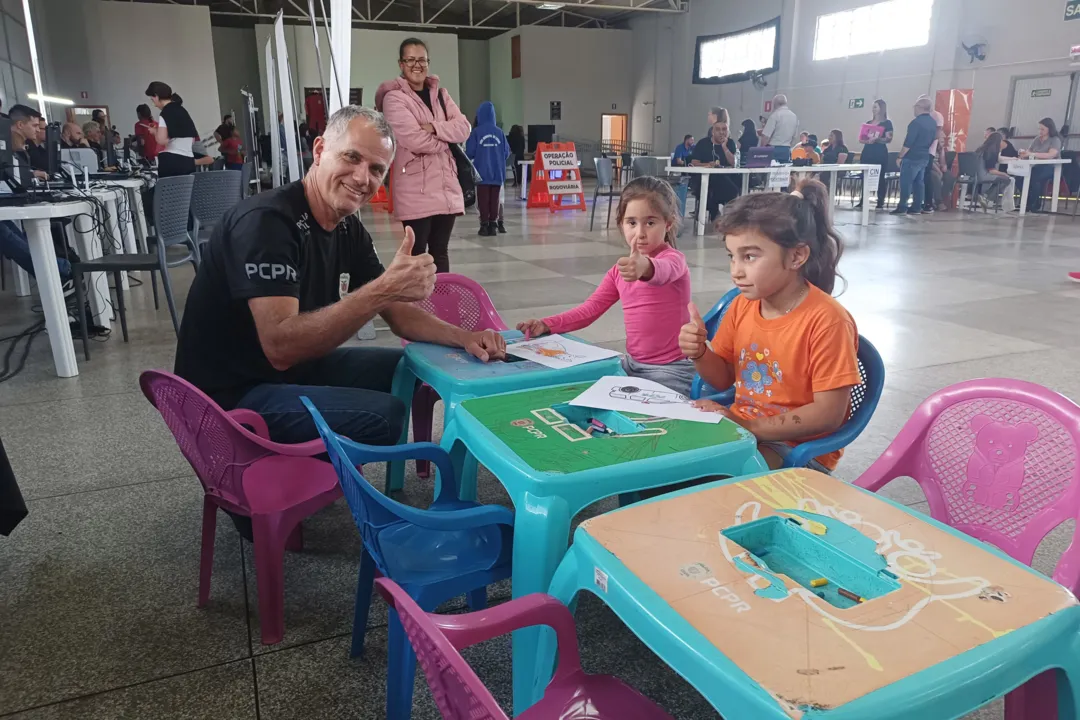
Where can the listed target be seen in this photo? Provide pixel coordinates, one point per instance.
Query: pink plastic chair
(244, 472)
(463, 302)
(572, 693)
(998, 460)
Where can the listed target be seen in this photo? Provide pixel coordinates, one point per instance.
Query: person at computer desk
(94, 140)
(13, 243)
(35, 147)
(717, 150)
(24, 131)
(71, 137)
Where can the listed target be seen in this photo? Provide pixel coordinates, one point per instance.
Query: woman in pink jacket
(427, 196)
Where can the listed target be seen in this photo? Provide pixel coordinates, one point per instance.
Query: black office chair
(172, 205)
(967, 175)
(605, 178)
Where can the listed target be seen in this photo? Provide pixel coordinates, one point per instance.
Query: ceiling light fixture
(551, 6)
(50, 99)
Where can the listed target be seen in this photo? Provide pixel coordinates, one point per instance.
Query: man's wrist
(377, 295)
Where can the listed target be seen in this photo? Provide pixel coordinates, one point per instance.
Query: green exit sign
(1072, 9)
(1041, 92)
(856, 103)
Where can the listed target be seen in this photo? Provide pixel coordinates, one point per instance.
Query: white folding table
(833, 170)
(35, 221)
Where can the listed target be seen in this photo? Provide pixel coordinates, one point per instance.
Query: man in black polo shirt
(716, 150)
(291, 274)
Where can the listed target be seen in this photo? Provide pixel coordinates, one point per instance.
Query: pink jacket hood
(424, 175)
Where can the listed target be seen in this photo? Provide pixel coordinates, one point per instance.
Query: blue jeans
(913, 180)
(350, 387)
(13, 244)
(1040, 176)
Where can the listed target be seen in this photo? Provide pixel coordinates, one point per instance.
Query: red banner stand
(538, 193)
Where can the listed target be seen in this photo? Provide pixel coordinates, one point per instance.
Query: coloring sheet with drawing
(556, 351)
(638, 395)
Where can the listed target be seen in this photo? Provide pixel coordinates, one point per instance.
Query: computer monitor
(127, 149)
(52, 149)
(7, 167)
(110, 148)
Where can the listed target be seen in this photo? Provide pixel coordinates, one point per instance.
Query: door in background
(1036, 97)
(613, 132)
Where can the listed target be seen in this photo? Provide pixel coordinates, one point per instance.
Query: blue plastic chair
(454, 547)
(699, 388)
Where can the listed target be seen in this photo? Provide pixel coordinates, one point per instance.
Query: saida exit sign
(856, 103)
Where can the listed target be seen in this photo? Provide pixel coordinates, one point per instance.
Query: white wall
(113, 50)
(584, 68)
(237, 66)
(475, 76)
(16, 71)
(507, 93)
(1030, 42)
(374, 58)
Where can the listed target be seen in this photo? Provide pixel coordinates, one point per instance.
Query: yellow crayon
(819, 582)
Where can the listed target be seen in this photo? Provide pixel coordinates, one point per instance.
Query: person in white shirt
(932, 184)
(782, 130)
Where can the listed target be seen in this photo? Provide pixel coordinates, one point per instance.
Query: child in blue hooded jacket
(488, 149)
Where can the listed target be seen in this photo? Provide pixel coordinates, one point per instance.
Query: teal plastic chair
(452, 548)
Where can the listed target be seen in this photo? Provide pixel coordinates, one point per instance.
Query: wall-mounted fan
(975, 47)
(760, 83)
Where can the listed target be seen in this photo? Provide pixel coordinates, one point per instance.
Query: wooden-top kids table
(796, 595)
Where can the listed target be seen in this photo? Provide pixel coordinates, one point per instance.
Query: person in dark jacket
(516, 138)
(488, 148)
(914, 158)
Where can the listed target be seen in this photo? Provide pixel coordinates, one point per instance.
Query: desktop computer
(7, 166)
(110, 148)
(52, 149)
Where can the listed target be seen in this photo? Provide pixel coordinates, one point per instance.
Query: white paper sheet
(556, 351)
(638, 395)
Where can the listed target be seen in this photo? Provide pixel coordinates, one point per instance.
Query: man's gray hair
(779, 100)
(923, 104)
(342, 118)
(90, 126)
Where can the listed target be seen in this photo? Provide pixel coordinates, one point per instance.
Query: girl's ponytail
(815, 228)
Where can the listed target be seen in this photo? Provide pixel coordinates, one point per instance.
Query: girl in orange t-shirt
(785, 344)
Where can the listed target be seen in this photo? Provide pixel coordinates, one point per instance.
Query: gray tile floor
(98, 586)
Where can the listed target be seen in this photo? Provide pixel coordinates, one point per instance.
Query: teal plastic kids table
(456, 375)
(539, 448)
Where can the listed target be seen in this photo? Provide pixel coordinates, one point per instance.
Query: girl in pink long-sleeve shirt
(653, 284)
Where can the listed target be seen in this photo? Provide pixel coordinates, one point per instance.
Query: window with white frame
(873, 28)
(733, 57)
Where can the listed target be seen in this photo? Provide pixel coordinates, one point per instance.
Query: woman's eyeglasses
(415, 62)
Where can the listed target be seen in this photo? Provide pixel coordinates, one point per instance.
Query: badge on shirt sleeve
(343, 285)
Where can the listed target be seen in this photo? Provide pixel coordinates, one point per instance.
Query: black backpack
(468, 177)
